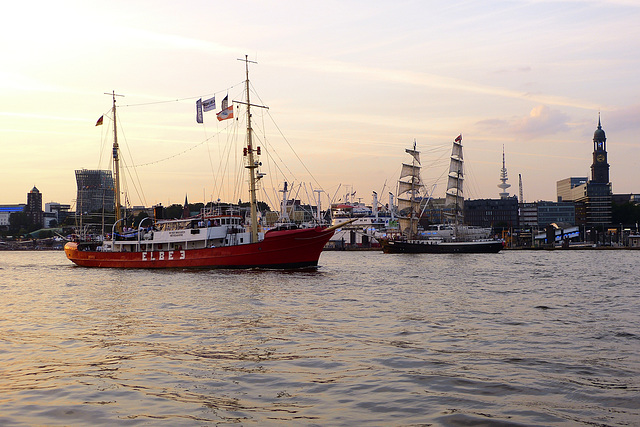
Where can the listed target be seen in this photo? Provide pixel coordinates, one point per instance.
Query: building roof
(12, 208)
(599, 134)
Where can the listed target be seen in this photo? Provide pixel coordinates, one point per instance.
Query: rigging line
(266, 196)
(268, 153)
(289, 144)
(103, 137)
(223, 166)
(177, 154)
(270, 150)
(271, 173)
(180, 99)
(135, 186)
(309, 199)
(213, 175)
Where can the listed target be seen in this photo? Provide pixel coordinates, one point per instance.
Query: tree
(173, 211)
(627, 214)
(138, 219)
(20, 223)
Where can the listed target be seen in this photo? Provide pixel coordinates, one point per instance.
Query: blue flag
(199, 111)
(209, 104)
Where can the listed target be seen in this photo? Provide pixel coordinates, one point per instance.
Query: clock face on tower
(600, 158)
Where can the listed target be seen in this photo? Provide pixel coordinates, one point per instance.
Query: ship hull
(284, 249)
(421, 247)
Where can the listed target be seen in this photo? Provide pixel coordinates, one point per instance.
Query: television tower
(503, 177)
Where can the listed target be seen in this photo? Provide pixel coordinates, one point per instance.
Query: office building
(96, 191)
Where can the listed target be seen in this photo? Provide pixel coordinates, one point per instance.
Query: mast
(252, 164)
(318, 208)
(413, 192)
(410, 183)
(116, 161)
(284, 215)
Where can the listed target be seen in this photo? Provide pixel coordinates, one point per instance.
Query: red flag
(99, 122)
(225, 114)
(459, 138)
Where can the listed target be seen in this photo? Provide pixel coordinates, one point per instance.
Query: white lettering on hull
(160, 256)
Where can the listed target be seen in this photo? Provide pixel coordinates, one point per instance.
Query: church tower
(599, 166)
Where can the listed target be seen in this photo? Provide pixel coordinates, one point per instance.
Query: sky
(348, 84)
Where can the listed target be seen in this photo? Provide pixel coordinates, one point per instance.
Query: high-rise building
(565, 188)
(34, 206)
(95, 191)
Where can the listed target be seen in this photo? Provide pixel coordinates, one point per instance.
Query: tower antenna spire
(503, 177)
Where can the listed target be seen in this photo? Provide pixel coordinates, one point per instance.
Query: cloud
(428, 80)
(622, 119)
(541, 121)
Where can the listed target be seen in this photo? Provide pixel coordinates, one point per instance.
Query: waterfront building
(496, 213)
(7, 210)
(34, 207)
(556, 213)
(620, 199)
(540, 214)
(96, 191)
(435, 211)
(565, 188)
(54, 211)
(528, 215)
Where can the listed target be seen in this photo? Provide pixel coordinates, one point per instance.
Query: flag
(459, 138)
(209, 104)
(227, 112)
(199, 111)
(99, 122)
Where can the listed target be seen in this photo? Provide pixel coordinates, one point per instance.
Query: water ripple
(521, 338)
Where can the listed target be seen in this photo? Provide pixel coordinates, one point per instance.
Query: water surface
(516, 338)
